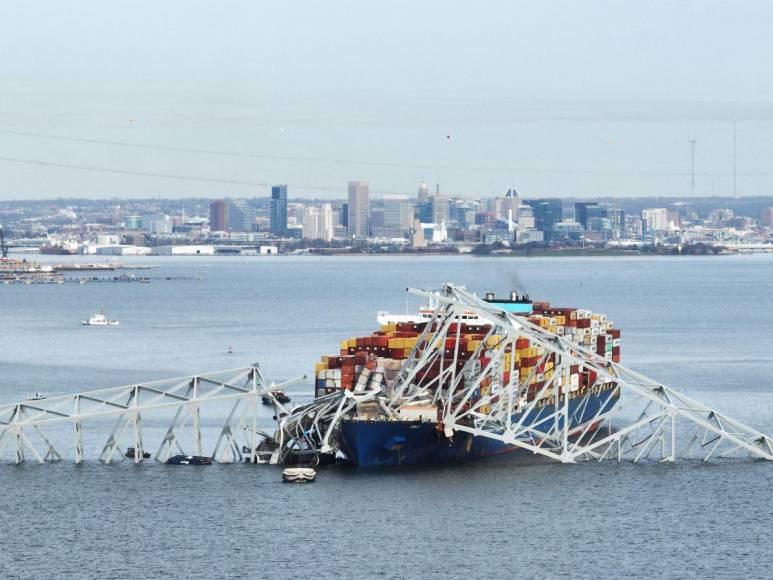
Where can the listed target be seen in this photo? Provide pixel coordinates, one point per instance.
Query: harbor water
(703, 325)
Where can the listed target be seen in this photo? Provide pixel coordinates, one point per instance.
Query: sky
(559, 98)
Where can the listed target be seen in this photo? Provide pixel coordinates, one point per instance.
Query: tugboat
(189, 460)
(278, 394)
(99, 319)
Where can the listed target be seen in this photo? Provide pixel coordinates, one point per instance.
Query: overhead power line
(350, 162)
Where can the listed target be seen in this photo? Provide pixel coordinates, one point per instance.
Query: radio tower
(692, 166)
(735, 160)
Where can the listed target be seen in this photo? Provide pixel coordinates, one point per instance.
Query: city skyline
(587, 100)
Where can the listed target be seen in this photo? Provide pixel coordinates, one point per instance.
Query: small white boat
(99, 319)
(299, 475)
(36, 396)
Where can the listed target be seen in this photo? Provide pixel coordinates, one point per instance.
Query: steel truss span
(34, 428)
(638, 419)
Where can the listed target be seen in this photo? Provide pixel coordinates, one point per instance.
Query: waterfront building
(277, 209)
(157, 224)
(617, 222)
(568, 229)
(417, 235)
(584, 210)
(525, 218)
(133, 222)
(720, 216)
(655, 220)
(766, 217)
(359, 210)
(510, 206)
(440, 209)
(318, 223)
(218, 216)
(547, 213)
(529, 235)
(241, 216)
(396, 218)
(398, 212)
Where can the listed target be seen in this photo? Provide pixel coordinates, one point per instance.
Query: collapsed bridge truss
(637, 419)
(36, 427)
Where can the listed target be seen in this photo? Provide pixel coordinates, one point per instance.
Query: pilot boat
(99, 319)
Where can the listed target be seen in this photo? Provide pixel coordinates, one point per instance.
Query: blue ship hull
(389, 443)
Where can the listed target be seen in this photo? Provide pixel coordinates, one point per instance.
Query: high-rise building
(218, 216)
(359, 209)
(617, 220)
(241, 216)
(278, 210)
(425, 211)
(524, 218)
(655, 220)
(584, 210)
(398, 212)
(440, 209)
(766, 217)
(423, 192)
(720, 216)
(510, 206)
(547, 213)
(318, 223)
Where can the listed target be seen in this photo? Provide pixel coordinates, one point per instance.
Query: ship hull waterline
(380, 443)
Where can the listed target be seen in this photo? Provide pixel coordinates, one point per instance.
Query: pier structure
(41, 428)
(640, 418)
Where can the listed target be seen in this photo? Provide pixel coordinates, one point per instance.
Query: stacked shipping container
(378, 358)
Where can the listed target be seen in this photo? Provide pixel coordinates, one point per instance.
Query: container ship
(404, 424)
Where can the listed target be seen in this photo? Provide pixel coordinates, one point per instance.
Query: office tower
(547, 213)
(318, 223)
(766, 217)
(278, 210)
(617, 219)
(241, 216)
(510, 206)
(584, 210)
(398, 212)
(440, 209)
(359, 210)
(655, 220)
(423, 192)
(218, 216)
